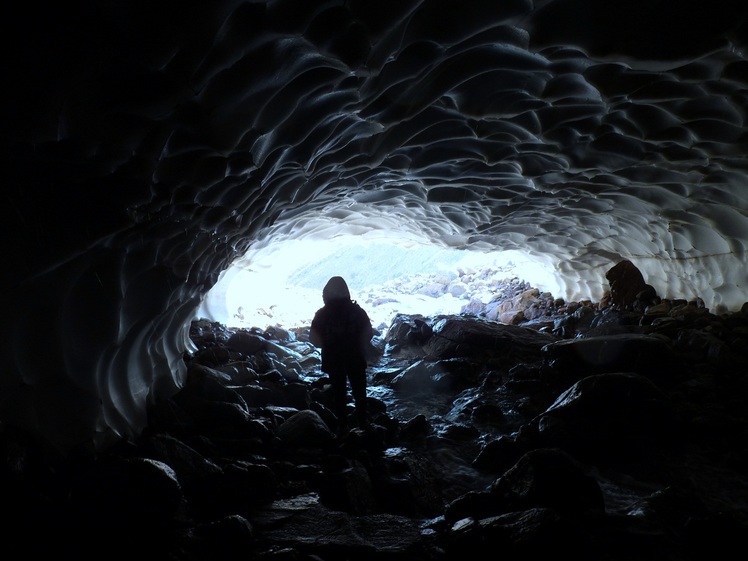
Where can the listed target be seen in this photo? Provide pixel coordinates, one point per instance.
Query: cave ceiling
(582, 129)
(146, 145)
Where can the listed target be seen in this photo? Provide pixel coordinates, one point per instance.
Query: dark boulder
(615, 415)
(495, 344)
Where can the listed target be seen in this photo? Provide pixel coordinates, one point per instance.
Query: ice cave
(148, 146)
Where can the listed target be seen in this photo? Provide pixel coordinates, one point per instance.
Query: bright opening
(281, 284)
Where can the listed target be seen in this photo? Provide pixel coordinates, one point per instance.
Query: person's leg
(339, 396)
(358, 388)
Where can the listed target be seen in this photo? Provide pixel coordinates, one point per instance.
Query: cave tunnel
(147, 146)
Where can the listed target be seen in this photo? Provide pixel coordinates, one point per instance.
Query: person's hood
(335, 289)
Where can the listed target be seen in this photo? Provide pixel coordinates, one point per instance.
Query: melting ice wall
(146, 148)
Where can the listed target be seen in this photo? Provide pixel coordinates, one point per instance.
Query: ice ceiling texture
(146, 145)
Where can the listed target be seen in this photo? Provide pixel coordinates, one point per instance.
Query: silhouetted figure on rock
(627, 284)
(342, 329)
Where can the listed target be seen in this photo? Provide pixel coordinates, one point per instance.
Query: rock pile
(597, 431)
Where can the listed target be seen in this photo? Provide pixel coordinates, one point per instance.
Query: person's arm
(315, 338)
(367, 331)
(315, 335)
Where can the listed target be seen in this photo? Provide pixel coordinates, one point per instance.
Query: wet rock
(407, 332)
(530, 534)
(627, 284)
(348, 489)
(616, 415)
(311, 529)
(499, 454)
(129, 501)
(416, 429)
(421, 377)
(440, 376)
(548, 478)
(246, 343)
(305, 429)
(646, 409)
(496, 343)
(197, 475)
(218, 539)
(626, 352)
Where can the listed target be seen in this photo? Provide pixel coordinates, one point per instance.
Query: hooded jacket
(341, 328)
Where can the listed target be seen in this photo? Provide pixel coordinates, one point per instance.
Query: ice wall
(147, 145)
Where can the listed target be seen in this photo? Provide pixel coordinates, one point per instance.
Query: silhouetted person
(342, 329)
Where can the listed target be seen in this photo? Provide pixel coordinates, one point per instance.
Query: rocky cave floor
(587, 432)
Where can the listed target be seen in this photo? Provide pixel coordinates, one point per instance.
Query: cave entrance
(281, 284)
